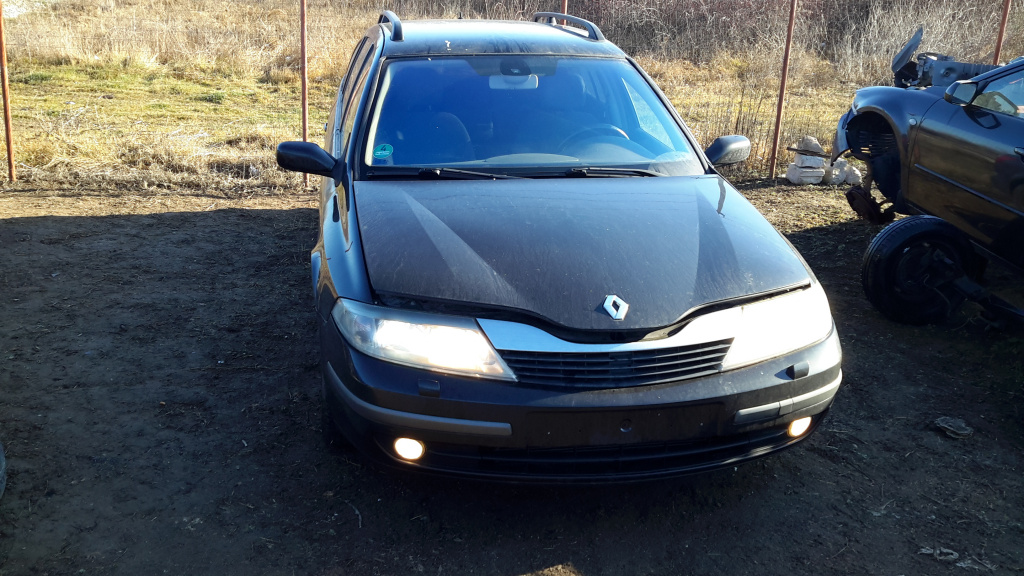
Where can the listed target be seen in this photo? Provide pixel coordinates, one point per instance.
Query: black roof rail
(593, 32)
(389, 17)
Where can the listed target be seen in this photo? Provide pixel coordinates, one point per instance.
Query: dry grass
(729, 96)
(199, 37)
(138, 126)
(198, 92)
(159, 92)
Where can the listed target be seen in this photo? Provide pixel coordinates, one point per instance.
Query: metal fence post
(782, 90)
(7, 97)
(305, 82)
(1002, 31)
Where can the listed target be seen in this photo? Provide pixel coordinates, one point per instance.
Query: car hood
(554, 249)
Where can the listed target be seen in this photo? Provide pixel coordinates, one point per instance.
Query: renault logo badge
(615, 307)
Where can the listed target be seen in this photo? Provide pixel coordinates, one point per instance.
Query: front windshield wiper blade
(610, 171)
(458, 173)
(440, 173)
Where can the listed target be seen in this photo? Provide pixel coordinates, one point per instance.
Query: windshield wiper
(609, 171)
(459, 174)
(439, 173)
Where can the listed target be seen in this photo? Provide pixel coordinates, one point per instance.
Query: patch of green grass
(102, 73)
(32, 78)
(212, 97)
(83, 120)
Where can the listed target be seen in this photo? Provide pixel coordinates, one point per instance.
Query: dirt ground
(159, 402)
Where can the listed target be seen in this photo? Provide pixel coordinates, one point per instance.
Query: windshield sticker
(383, 151)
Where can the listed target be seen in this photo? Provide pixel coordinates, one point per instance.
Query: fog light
(409, 449)
(799, 426)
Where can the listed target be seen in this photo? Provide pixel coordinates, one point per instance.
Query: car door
(967, 165)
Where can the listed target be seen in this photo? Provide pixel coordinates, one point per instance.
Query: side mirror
(726, 150)
(961, 92)
(305, 157)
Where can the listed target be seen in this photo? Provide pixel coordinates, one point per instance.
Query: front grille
(592, 370)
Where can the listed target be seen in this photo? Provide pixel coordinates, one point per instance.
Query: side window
(351, 89)
(333, 144)
(331, 136)
(1005, 95)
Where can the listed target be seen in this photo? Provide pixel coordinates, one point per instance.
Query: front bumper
(501, 430)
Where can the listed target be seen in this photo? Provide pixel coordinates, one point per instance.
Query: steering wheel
(590, 132)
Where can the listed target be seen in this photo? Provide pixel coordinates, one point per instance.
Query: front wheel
(908, 267)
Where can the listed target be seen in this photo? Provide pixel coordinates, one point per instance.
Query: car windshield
(524, 115)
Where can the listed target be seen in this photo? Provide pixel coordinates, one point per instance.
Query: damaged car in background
(944, 145)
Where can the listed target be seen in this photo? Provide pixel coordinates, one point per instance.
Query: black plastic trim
(391, 417)
(784, 407)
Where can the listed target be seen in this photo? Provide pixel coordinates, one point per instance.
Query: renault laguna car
(528, 271)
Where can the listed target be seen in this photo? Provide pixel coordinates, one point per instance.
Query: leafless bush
(861, 44)
(259, 37)
(858, 37)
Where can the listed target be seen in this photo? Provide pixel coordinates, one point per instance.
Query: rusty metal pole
(1002, 31)
(565, 6)
(782, 90)
(305, 81)
(7, 97)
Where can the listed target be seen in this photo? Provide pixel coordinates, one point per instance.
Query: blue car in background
(944, 145)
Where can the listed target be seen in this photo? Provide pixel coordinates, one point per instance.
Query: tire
(901, 258)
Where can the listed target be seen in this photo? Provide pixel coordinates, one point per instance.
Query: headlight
(770, 328)
(442, 343)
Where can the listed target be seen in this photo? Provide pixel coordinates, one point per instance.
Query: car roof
(470, 37)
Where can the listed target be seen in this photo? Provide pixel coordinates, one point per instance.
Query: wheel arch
(875, 139)
(880, 130)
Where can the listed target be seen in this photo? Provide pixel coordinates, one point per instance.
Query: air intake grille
(616, 369)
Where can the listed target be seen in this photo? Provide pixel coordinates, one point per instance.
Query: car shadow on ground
(161, 393)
